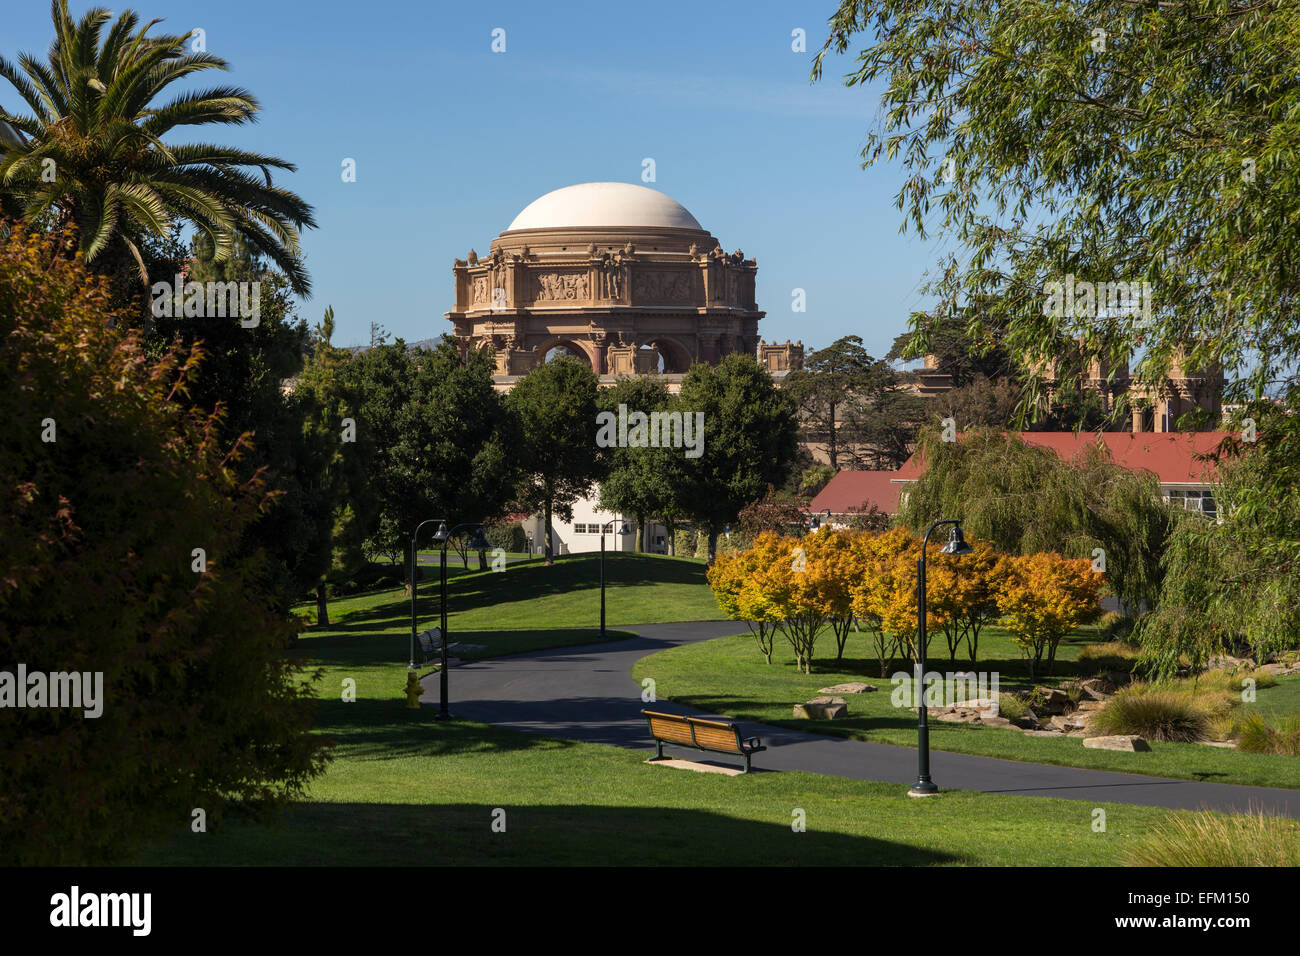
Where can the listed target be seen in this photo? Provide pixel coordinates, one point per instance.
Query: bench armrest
(753, 742)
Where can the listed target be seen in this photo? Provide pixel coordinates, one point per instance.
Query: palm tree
(92, 157)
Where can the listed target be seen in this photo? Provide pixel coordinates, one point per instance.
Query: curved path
(587, 693)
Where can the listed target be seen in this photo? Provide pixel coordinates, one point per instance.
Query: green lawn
(729, 676)
(407, 790)
(527, 595)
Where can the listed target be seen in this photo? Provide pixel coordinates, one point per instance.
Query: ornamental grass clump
(1012, 706)
(1258, 734)
(1214, 839)
(1155, 712)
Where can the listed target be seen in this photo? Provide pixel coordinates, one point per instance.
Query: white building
(582, 534)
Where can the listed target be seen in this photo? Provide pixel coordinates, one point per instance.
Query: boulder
(1279, 669)
(1055, 700)
(1228, 662)
(985, 705)
(1043, 733)
(1129, 742)
(1096, 689)
(822, 708)
(853, 687)
(1091, 706)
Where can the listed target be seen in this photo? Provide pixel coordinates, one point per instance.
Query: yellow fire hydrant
(413, 690)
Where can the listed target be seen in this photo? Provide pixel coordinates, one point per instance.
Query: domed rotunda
(620, 275)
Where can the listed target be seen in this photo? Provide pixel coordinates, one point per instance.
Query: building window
(1193, 500)
(579, 529)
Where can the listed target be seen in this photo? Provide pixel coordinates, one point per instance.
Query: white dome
(599, 205)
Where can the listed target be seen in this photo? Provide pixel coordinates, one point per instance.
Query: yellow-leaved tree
(961, 594)
(733, 577)
(883, 597)
(839, 566)
(1045, 596)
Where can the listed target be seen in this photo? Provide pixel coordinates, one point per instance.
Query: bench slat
(716, 738)
(716, 735)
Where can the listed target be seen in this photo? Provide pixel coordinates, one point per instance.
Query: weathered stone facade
(628, 298)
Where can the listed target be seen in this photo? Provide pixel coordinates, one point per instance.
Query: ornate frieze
(663, 287)
(561, 286)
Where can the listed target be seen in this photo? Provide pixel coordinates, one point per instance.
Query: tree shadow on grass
(360, 649)
(526, 582)
(368, 729)
(386, 834)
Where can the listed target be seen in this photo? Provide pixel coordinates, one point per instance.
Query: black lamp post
(607, 527)
(924, 786)
(443, 537)
(415, 556)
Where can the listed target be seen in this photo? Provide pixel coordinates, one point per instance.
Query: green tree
(443, 443)
(831, 379)
(965, 346)
(1098, 141)
(887, 419)
(1233, 586)
(555, 406)
(337, 457)
(1025, 500)
(97, 124)
(247, 374)
(122, 554)
(639, 481)
(749, 440)
(982, 402)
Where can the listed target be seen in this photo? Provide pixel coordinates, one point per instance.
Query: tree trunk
(482, 561)
(713, 543)
(831, 450)
(550, 536)
(322, 605)
(640, 534)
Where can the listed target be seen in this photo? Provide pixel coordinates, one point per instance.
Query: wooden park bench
(719, 736)
(430, 642)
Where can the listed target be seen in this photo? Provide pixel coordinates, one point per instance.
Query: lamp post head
(440, 535)
(479, 542)
(956, 543)
(624, 529)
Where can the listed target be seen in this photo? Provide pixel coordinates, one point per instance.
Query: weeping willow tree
(1023, 499)
(1234, 585)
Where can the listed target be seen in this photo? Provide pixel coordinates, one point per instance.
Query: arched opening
(647, 349)
(560, 347)
(675, 358)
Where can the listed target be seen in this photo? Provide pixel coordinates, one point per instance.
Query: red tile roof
(854, 491)
(1171, 456)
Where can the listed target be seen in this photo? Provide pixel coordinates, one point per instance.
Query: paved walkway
(587, 694)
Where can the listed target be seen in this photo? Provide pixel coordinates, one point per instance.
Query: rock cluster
(822, 708)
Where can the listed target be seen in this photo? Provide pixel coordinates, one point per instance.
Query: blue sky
(451, 140)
